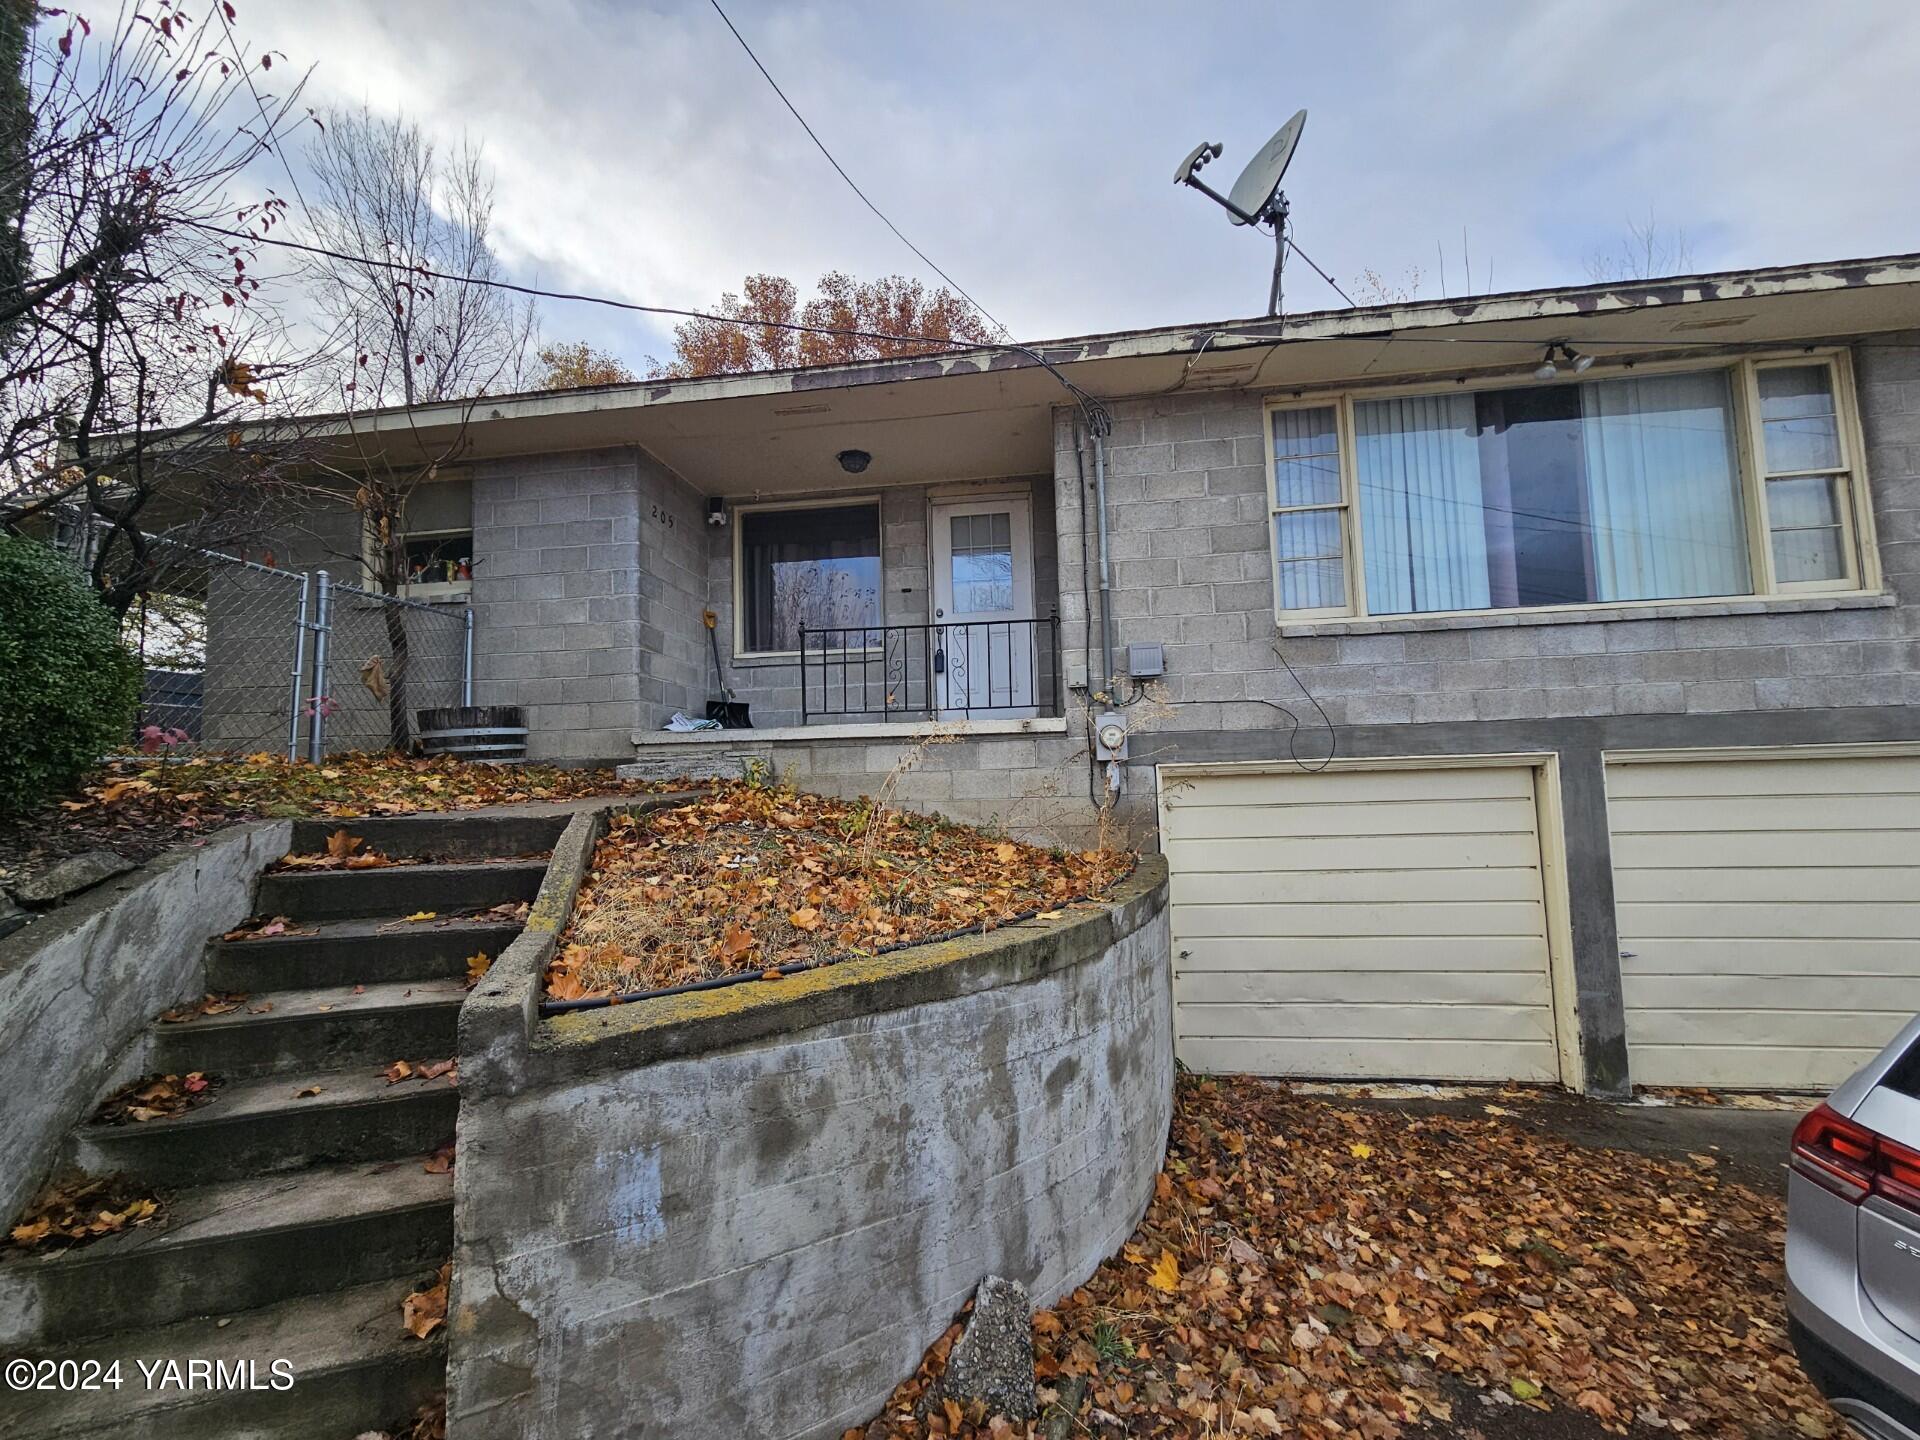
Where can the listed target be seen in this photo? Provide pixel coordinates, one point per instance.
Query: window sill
(1658, 610)
(764, 659)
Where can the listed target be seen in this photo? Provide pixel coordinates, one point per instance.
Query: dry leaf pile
(747, 880)
(77, 1211)
(1311, 1270)
(154, 1097)
(137, 808)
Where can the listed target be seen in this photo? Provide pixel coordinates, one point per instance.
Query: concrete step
(354, 1369)
(452, 836)
(348, 952)
(330, 1028)
(231, 1246)
(263, 1126)
(308, 895)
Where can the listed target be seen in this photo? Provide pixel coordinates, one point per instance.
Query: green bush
(68, 688)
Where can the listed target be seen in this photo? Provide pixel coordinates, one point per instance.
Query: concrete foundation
(748, 1211)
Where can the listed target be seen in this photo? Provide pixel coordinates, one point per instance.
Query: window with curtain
(1309, 509)
(812, 568)
(1605, 491)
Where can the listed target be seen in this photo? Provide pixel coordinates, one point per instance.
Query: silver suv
(1853, 1243)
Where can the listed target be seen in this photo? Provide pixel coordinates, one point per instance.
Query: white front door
(984, 656)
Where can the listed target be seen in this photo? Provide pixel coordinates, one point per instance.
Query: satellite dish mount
(1255, 198)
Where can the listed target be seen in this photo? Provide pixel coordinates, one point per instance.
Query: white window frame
(1345, 508)
(1863, 576)
(431, 590)
(739, 587)
(1845, 473)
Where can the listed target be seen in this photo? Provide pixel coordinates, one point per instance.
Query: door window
(982, 564)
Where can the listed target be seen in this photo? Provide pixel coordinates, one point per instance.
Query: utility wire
(1095, 411)
(821, 145)
(1414, 336)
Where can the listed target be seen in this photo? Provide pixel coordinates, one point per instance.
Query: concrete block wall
(673, 659)
(761, 1240)
(1192, 568)
(557, 597)
(1033, 787)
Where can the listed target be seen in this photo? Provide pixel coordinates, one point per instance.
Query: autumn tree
(752, 332)
(568, 366)
(139, 366)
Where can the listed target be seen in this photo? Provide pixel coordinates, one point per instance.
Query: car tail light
(1854, 1162)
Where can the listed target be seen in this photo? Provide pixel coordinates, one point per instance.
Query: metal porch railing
(940, 669)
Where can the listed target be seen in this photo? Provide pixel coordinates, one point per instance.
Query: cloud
(1030, 149)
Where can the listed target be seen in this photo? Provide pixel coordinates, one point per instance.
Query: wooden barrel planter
(475, 732)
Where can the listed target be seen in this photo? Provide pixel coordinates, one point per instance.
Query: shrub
(68, 687)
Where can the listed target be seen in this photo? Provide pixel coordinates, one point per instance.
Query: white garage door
(1360, 923)
(1769, 914)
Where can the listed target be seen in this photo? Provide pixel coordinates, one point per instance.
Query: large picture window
(815, 567)
(1599, 492)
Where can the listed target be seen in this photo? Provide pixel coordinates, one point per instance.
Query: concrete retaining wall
(748, 1211)
(1029, 779)
(78, 987)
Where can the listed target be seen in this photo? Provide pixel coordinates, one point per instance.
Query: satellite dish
(1258, 183)
(1255, 198)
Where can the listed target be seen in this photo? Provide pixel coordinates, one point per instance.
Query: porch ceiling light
(854, 461)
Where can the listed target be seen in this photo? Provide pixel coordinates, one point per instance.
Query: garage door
(1360, 923)
(1769, 914)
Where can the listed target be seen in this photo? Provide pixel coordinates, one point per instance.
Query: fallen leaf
(424, 1311)
(340, 844)
(806, 918)
(419, 915)
(441, 1161)
(1165, 1275)
(396, 1072)
(307, 1092)
(1360, 1151)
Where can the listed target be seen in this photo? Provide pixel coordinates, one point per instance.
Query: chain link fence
(387, 660)
(240, 657)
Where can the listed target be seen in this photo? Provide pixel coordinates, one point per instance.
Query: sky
(1029, 148)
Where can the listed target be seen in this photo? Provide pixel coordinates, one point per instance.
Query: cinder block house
(1521, 687)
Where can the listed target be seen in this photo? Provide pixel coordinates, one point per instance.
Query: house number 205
(661, 515)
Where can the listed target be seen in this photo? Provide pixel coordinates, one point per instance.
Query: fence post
(466, 662)
(299, 659)
(322, 623)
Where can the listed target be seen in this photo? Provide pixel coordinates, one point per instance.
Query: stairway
(298, 1209)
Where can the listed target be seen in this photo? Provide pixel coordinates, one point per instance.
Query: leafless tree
(1370, 287)
(1647, 249)
(143, 369)
(397, 215)
(396, 204)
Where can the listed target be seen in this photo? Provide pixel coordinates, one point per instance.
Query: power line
(1088, 403)
(818, 142)
(1010, 347)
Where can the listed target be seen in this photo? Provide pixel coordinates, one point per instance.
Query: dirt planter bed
(748, 1210)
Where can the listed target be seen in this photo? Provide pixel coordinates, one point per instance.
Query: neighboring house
(1619, 772)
